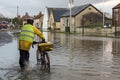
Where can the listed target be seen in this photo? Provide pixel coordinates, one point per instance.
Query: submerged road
(74, 58)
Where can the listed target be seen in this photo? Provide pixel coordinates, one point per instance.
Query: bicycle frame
(42, 55)
(43, 59)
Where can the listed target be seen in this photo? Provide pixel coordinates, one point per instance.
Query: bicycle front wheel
(38, 57)
(47, 60)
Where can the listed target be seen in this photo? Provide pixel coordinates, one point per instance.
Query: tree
(93, 18)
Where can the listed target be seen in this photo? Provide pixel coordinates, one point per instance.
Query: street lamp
(104, 20)
(70, 7)
(105, 26)
(103, 13)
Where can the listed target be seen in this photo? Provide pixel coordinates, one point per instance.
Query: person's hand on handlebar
(43, 41)
(34, 42)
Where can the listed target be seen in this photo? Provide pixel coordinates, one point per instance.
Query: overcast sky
(9, 7)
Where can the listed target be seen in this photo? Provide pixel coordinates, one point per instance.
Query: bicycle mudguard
(45, 46)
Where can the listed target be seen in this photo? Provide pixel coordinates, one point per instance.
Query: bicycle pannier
(45, 46)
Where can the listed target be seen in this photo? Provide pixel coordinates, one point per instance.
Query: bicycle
(42, 55)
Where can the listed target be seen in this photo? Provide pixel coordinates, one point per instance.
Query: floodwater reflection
(74, 57)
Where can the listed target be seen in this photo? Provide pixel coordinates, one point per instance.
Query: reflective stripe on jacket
(27, 33)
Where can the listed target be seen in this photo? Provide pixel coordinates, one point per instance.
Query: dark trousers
(24, 57)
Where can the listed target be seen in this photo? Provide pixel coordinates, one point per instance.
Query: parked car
(3, 25)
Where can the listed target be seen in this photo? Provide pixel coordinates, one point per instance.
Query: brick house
(24, 18)
(116, 15)
(38, 20)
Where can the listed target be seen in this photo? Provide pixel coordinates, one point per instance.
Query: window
(89, 8)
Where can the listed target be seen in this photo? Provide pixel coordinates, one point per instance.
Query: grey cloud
(35, 6)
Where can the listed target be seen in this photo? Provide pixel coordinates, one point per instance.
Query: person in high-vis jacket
(25, 41)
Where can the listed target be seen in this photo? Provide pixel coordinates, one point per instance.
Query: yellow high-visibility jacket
(27, 36)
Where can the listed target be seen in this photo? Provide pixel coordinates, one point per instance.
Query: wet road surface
(74, 58)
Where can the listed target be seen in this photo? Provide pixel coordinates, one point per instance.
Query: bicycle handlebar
(43, 46)
(34, 42)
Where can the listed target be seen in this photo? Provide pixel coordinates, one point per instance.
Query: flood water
(73, 58)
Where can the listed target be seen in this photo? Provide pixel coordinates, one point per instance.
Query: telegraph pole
(17, 11)
(17, 16)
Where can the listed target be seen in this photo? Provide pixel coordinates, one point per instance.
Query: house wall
(24, 22)
(63, 23)
(51, 22)
(39, 21)
(116, 17)
(96, 30)
(58, 25)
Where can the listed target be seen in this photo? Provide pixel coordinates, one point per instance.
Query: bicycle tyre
(43, 59)
(47, 59)
(38, 57)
